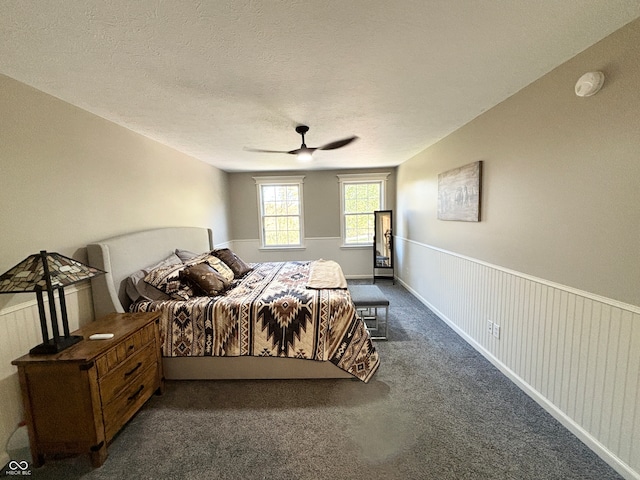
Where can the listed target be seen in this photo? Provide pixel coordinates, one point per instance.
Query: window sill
(359, 246)
(282, 248)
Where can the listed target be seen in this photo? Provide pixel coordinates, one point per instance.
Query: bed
(254, 330)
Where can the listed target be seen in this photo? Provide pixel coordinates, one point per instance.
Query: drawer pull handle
(131, 347)
(136, 393)
(133, 369)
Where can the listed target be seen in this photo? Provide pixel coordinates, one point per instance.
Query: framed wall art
(459, 193)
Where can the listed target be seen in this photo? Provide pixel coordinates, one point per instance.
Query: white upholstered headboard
(125, 254)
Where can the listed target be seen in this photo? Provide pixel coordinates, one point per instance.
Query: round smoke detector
(589, 84)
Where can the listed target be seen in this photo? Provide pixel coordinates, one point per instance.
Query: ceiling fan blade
(302, 149)
(305, 151)
(338, 143)
(264, 151)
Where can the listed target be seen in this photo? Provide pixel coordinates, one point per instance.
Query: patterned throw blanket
(270, 313)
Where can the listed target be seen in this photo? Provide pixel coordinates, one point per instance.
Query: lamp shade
(48, 272)
(29, 275)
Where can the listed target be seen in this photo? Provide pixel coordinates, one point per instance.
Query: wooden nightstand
(75, 401)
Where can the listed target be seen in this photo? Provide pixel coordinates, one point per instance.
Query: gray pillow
(186, 255)
(138, 289)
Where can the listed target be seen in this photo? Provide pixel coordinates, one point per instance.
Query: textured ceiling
(210, 78)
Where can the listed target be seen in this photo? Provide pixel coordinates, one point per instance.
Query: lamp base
(53, 346)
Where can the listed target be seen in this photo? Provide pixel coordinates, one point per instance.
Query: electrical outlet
(490, 327)
(496, 330)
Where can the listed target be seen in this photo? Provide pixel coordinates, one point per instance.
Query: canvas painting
(459, 193)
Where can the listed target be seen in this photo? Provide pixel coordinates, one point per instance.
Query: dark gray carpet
(436, 409)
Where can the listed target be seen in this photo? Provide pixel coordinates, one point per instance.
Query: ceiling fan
(305, 153)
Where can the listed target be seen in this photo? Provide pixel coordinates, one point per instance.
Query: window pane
(282, 238)
(294, 238)
(268, 193)
(350, 198)
(293, 208)
(269, 223)
(281, 215)
(270, 208)
(282, 223)
(359, 228)
(351, 222)
(281, 208)
(360, 200)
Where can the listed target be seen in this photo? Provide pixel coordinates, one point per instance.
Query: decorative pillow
(205, 278)
(167, 279)
(138, 289)
(234, 262)
(216, 263)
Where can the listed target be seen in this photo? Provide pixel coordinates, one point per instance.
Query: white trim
(360, 178)
(363, 177)
(582, 293)
(31, 303)
(279, 180)
(282, 248)
(323, 238)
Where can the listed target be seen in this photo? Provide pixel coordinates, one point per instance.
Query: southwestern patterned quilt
(270, 312)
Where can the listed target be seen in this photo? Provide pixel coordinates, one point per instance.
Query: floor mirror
(383, 267)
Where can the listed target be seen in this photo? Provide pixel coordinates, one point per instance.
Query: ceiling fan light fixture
(304, 155)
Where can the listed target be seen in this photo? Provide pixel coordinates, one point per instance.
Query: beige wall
(321, 220)
(321, 201)
(555, 260)
(68, 178)
(561, 189)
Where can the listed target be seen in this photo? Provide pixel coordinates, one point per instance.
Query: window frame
(280, 181)
(359, 178)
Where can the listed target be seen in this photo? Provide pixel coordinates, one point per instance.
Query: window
(361, 195)
(280, 206)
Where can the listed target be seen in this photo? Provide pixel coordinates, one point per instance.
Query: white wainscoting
(575, 353)
(356, 262)
(19, 332)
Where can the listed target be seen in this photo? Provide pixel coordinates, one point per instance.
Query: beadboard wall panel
(19, 332)
(356, 262)
(575, 353)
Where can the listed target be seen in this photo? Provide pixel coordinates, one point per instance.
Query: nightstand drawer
(126, 372)
(118, 354)
(118, 412)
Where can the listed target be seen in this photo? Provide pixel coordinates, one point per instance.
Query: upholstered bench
(367, 300)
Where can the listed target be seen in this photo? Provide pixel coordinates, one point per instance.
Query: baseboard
(609, 457)
(358, 277)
